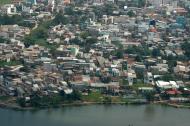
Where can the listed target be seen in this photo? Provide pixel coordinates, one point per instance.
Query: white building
(52, 4)
(148, 78)
(131, 76)
(9, 9)
(167, 85)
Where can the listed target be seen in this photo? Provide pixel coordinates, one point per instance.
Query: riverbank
(175, 105)
(14, 107)
(19, 108)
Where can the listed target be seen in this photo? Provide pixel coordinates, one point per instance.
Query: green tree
(141, 3)
(139, 50)
(28, 40)
(69, 10)
(79, 2)
(11, 63)
(172, 62)
(10, 20)
(168, 77)
(107, 100)
(109, 8)
(84, 35)
(90, 41)
(21, 102)
(106, 79)
(60, 19)
(186, 47)
(2, 40)
(76, 95)
(40, 33)
(99, 11)
(149, 96)
(75, 41)
(26, 69)
(130, 13)
(140, 75)
(138, 58)
(119, 53)
(155, 52)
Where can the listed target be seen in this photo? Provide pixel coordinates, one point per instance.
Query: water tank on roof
(125, 7)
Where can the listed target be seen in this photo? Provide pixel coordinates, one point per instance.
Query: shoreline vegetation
(77, 99)
(85, 103)
(17, 107)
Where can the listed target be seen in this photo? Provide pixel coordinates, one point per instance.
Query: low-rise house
(9, 9)
(166, 85)
(148, 78)
(172, 92)
(53, 78)
(32, 53)
(13, 31)
(139, 68)
(160, 68)
(114, 86)
(20, 92)
(146, 89)
(68, 91)
(35, 88)
(182, 70)
(79, 85)
(179, 99)
(131, 77)
(49, 67)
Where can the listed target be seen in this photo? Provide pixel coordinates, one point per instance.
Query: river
(98, 115)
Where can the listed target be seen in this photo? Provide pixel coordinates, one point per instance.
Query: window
(12, 10)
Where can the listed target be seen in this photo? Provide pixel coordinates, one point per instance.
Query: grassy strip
(100, 98)
(93, 97)
(2, 2)
(136, 86)
(11, 63)
(4, 98)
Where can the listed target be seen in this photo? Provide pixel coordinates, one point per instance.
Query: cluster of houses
(162, 26)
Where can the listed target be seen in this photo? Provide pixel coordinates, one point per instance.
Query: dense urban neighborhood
(64, 52)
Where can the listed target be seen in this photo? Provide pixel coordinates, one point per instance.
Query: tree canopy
(60, 19)
(10, 20)
(186, 47)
